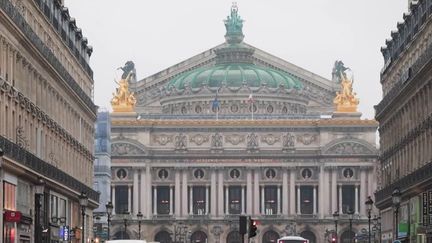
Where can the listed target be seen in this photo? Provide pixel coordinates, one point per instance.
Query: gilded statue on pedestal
(123, 100)
(345, 100)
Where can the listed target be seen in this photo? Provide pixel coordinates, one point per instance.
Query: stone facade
(191, 172)
(405, 130)
(46, 126)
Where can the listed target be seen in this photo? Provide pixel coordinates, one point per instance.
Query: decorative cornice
(243, 123)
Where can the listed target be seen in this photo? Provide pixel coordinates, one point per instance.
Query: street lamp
(125, 227)
(377, 225)
(369, 202)
(83, 201)
(139, 216)
(350, 218)
(396, 198)
(109, 208)
(336, 218)
(39, 190)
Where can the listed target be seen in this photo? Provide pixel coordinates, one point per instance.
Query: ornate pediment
(125, 149)
(349, 148)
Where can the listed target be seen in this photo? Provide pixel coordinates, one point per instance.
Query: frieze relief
(270, 139)
(163, 139)
(288, 141)
(199, 139)
(235, 139)
(349, 148)
(125, 149)
(216, 141)
(180, 142)
(307, 138)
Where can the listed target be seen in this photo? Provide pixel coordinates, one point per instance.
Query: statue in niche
(216, 140)
(180, 141)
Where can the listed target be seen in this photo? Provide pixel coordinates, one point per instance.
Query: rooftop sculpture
(345, 100)
(123, 100)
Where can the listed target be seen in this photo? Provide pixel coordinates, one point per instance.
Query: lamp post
(369, 202)
(109, 208)
(396, 198)
(350, 218)
(139, 216)
(125, 227)
(336, 218)
(39, 190)
(83, 201)
(377, 225)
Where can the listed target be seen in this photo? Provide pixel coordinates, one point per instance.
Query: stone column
(256, 192)
(171, 200)
(356, 202)
(220, 194)
(321, 189)
(334, 191)
(278, 201)
(285, 192)
(363, 191)
(226, 200)
(113, 195)
(155, 201)
(340, 199)
(324, 197)
(207, 200)
(213, 191)
(143, 203)
(242, 201)
(263, 209)
(191, 212)
(130, 199)
(135, 192)
(249, 192)
(149, 190)
(298, 200)
(314, 205)
(177, 191)
(292, 195)
(184, 194)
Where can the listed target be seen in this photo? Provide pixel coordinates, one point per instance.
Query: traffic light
(252, 227)
(243, 225)
(333, 240)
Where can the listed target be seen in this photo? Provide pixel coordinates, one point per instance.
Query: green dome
(234, 75)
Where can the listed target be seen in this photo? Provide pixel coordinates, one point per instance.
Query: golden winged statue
(345, 100)
(123, 100)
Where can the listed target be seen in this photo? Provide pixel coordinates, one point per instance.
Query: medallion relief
(199, 139)
(163, 139)
(235, 139)
(270, 139)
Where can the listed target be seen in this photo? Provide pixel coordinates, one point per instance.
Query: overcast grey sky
(311, 34)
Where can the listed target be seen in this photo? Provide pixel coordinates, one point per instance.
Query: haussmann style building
(237, 131)
(405, 117)
(47, 121)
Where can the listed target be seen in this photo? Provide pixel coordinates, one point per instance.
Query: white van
(127, 241)
(292, 239)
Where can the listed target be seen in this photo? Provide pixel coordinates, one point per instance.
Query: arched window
(198, 237)
(308, 235)
(233, 237)
(121, 235)
(346, 237)
(163, 237)
(270, 237)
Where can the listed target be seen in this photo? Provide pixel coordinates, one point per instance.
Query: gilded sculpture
(123, 100)
(345, 100)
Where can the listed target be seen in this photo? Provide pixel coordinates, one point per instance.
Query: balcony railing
(29, 160)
